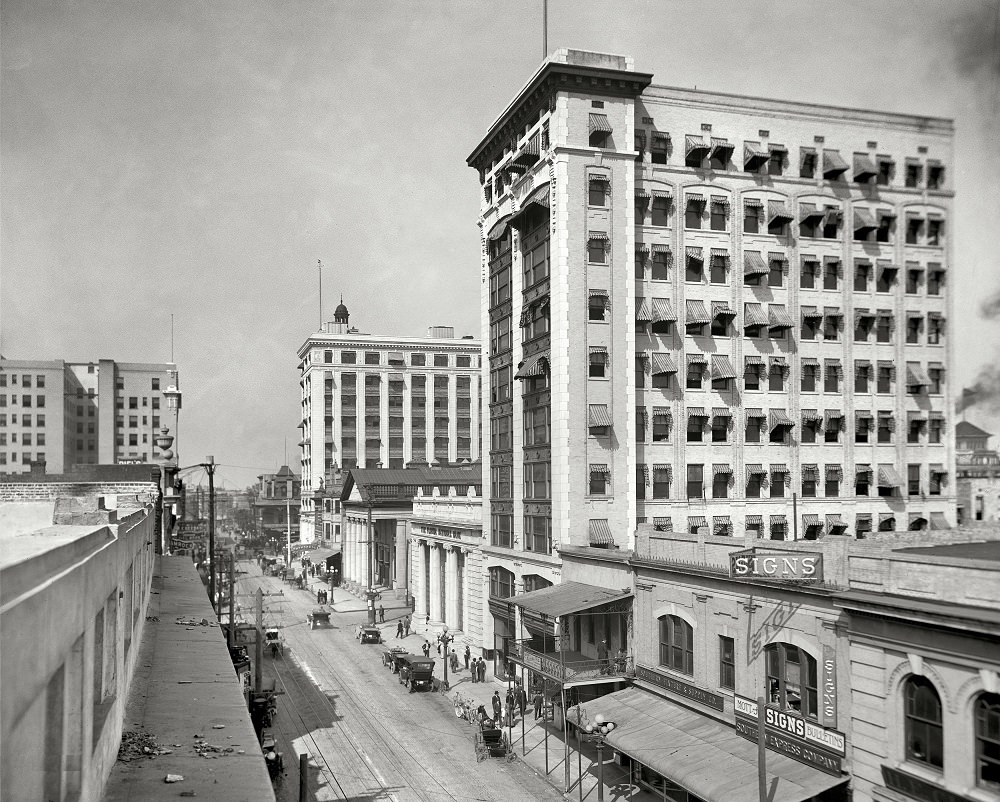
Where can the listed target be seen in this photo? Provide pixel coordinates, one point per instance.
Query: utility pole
(761, 752)
(232, 600)
(210, 467)
(545, 29)
(259, 650)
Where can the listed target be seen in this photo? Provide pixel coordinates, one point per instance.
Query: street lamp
(446, 640)
(596, 733)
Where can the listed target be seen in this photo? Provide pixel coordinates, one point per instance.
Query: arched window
(988, 740)
(791, 679)
(535, 582)
(501, 583)
(676, 644)
(923, 722)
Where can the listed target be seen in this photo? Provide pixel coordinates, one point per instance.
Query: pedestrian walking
(406, 626)
(381, 614)
(497, 707)
(482, 669)
(427, 622)
(537, 701)
(426, 648)
(508, 712)
(399, 629)
(468, 654)
(454, 660)
(522, 699)
(475, 671)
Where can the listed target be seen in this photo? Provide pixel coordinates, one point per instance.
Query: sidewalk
(528, 736)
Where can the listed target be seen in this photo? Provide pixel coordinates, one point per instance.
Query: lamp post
(446, 640)
(596, 733)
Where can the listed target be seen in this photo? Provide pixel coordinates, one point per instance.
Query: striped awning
(643, 313)
(722, 309)
(885, 214)
(863, 314)
(754, 315)
(599, 122)
(755, 520)
(863, 472)
(778, 417)
(534, 365)
(663, 311)
(832, 367)
(722, 368)
(778, 317)
(599, 353)
(754, 155)
(916, 376)
(885, 418)
(723, 201)
(833, 164)
(809, 210)
(721, 468)
(864, 167)
(778, 520)
(756, 470)
(661, 414)
(660, 247)
(811, 519)
(754, 264)
(694, 145)
(721, 525)
(696, 313)
(641, 248)
(600, 468)
(834, 521)
(832, 418)
(697, 359)
(600, 529)
(888, 477)
(697, 412)
(663, 363)
(779, 468)
(642, 195)
(662, 136)
(538, 197)
(642, 471)
(811, 313)
(810, 473)
(663, 524)
(499, 228)
(863, 421)
(917, 521)
(642, 414)
(602, 177)
(696, 521)
(834, 473)
(662, 192)
(719, 253)
(755, 413)
(811, 415)
(938, 521)
(720, 145)
(832, 311)
(663, 470)
(753, 360)
(864, 221)
(887, 517)
(694, 252)
(722, 412)
(599, 415)
(601, 236)
(778, 211)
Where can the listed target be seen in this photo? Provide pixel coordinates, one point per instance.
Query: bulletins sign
(792, 735)
(797, 565)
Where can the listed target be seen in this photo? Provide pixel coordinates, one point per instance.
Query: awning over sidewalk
(321, 555)
(697, 752)
(567, 598)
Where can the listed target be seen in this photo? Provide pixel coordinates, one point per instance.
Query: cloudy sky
(197, 158)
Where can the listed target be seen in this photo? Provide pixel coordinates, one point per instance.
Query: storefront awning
(321, 555)
(567, 598)
(704, 756)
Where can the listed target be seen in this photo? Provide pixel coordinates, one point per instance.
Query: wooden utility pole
(259, 650)
(761, 752)
(232, 600)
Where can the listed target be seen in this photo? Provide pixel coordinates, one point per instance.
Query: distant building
(74, 413)
(977, 468)
(275, 507)
(374, 401)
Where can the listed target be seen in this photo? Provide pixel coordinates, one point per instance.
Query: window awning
(599, 122)
(864, 221)
(534, 365)
(722, 368)
(938, 521)
(778, 317)
(811, 313)
(661, 414)
(722, 309)
(720, 145)
(538, 197)
(697, 359)
(663, 311)
(643, 313)
(862, 472)
(567, 598)
(662, 470)
(811, 519)
(697, 412)
(864, 167)
(886, 517)
(705, 756)
(810, 472)
(888, 477)
(754, 155)
(642, 195)
(721, 525)
(722, 412)
(834, 521)
(916, 376)
(833, 164)
(600, 532)
(755, 520)
(499, 228)
(641, 248)
(663, 524)
(811, 416)
(779, 468)
(756, 470)
(722, 468)
(694, 252)
(697, 314)
(754, 264)
(599, 415)
(663, 363)
(694, 145)
(778, 417)
(807, 211)
(755, 413)
(597, 236)
(777, 211)
(321, 555)
(753, 315)
(863, 314)
(696, 521)
(752, 360)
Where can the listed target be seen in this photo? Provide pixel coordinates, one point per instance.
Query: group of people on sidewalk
(505, 711)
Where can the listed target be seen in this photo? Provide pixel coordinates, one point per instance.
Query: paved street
(368, 738)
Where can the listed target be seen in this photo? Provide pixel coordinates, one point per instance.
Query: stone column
(451, 588)
(419, 588)
(365, 549)
(402, 580)
(437, 614)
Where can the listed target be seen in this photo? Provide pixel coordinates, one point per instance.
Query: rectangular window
(695, 429)
(499, 336)
(661, 212)
(776, 269)
(913, 326)
(751, 377)
(935, 280)
(694, 269)
(695, 477)
(536, 480)
(776, 378)
(776, 164)
(831, 328)
(720, 429)
(348, 357)
(935, 331)
(935, 432)
(720, 485)
(661, 266)
(914, 230)
(660, 146)
(755, 482)
(752, 218)
(886, 279)
(753, 429)
(935, 176)
(914, 279)
(693, 213)
(501, 531)
(599, 480)
(809, 377)
(661, 482)
(596, 252)
(936, 375)
(500, 286)
(718, 217)
(807, 164)
(883, 328)
(718, 273)
(914, 172)
(884, 429)
(884, 380)
(537, 534)
(913, 480)
(596, 194)
(777, 485)
(935, 232)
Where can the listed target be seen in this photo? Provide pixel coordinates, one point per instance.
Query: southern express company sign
(792, 735)
(795, 565)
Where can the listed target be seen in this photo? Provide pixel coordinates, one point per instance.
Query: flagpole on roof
(319, 267)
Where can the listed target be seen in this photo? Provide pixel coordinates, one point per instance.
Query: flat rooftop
(987, 551)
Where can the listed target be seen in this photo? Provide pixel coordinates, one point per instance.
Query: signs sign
(692, 692)
(792, 735)
(790, 565)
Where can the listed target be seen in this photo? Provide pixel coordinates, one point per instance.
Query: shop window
(924, 733)
(791, 679)
(676, 644)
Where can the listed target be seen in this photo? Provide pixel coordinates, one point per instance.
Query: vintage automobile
(390, 658)
(273, 641)
(416, 672)
(318, 618)
(370, 634)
